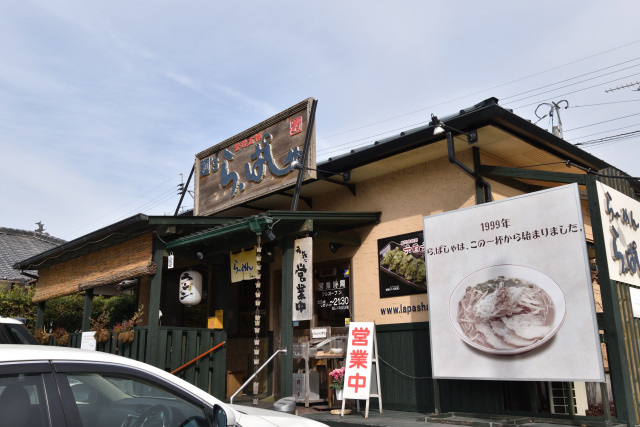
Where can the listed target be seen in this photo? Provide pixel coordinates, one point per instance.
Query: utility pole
(557, 130)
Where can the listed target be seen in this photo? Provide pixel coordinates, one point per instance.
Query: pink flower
(338, 378)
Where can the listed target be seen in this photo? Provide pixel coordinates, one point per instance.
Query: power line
(144, 207)
(605, 131)
(605, 121)
(368, 138)
(484, 90)
(126, 204)
(569, 93)
(339, 147)
(605, 103)
(577, 77)
(612, 138)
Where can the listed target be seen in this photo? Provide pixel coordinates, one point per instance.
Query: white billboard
(510, 293)
(621, 232)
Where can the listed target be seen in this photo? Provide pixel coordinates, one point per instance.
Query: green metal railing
(176, 346)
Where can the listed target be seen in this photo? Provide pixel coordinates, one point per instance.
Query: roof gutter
(253, 224)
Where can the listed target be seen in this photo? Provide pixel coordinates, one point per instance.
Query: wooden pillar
(86, 312)
(40, 314)
(286, 362)
(221, 290)
(615, 340)
(153, 353)
(144, 290)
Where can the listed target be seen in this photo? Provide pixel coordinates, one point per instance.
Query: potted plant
(338, 381)
(42, 336)
(62, 336)
(100, 326)
(124, 330)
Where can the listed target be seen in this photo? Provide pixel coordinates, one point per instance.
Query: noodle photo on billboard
(507, 309)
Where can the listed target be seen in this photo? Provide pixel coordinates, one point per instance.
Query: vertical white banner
(303, 279)
(357, 373)
(622, 232)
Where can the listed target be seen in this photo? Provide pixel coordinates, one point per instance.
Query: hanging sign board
(244, 265)
(357, 373)
(255, 162)
(303, 279)
(621, 227)
(510, 292)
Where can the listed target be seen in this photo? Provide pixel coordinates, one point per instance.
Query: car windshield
(19, 334)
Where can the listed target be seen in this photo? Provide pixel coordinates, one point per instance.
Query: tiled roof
(16, 245)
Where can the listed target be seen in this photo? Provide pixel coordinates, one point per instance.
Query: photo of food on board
(402, 266)
(507, 309)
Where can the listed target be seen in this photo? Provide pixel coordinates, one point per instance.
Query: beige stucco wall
(403, 197)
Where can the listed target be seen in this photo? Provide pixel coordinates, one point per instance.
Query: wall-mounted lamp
(200, 255)
(268, 234)
(333, 247)
(440, 127)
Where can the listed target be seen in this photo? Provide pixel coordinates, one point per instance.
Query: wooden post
(86, 312)
(286, 362)
(618, 361)
(153, 352)
(40, 314)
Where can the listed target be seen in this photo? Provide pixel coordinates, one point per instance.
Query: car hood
(257, 417)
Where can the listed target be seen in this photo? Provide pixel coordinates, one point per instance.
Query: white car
(58, 386)
(13, 331)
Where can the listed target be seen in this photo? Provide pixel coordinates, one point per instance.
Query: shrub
(17, 303)
(64, 312)
(597, 410)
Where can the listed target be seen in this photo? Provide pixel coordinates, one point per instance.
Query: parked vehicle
(13, 331)
(59, 386)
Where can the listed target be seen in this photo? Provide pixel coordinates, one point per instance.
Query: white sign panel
(635, 301)
(318, 333)
(303, 279)
(621, 231)
(510, 293)
(88, 340)
(357, 373)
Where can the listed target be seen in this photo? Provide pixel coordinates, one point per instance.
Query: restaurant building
(283, 253)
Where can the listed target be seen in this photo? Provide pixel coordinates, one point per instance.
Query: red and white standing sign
(357, 373)
(362, 355)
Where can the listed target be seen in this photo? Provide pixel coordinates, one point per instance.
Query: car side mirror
(221, 418)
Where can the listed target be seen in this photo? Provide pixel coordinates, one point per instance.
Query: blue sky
(104, 104)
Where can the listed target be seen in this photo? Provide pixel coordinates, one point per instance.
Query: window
(110, 399)
(20, 334)
(21, 398)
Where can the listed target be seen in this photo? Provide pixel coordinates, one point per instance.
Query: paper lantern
(190, 287)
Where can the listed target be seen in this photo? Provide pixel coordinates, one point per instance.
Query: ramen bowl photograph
(507, 309)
